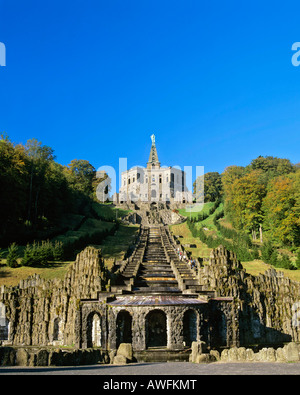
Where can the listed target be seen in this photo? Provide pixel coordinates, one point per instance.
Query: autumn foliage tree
(281, 208)
(264, 196)
(247, 202)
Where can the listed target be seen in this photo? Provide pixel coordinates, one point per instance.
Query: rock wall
(36, 306)
(158, 213)
(288, 353)
(267, 305)
(12, 356)
(42, 313)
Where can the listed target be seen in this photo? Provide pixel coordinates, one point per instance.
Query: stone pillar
(138, 329)
(175, 328)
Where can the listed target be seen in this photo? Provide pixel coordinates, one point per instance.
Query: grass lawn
(255, 267)
(186, 213)
(115, 246)
(108, 211)
(186, 237)
(12, 276)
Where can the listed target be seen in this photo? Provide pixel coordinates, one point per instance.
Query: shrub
(12, 255)
(298, 259)
(267, 250)
(285, 262)
(274, 258)
(41, 253)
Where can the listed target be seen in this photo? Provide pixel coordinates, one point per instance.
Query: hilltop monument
(154, 183)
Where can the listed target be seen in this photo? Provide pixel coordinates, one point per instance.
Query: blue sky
(213, 80)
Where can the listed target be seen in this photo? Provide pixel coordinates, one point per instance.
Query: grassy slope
(254, 267)
(113, 247)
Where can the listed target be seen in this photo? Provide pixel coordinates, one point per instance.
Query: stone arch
(94, 332)
(4, 323)
(123, 327)
(156, 329)
(57, 329)
(4, 329)
(190, 327)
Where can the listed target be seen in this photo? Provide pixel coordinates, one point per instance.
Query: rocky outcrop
(287, 353)
(290, 352)
(151, 214)
(236, 309)
(29, 356)
(42, 312)
(267, 305)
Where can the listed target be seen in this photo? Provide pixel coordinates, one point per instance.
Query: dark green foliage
(285, 262)
(267, 250)
(212, 187)
(298, 259)
(239, 245)
(39, 254)
(36, 191)
(274, 258)
(12, 256)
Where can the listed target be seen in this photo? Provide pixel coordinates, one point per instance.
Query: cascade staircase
(155, 267)
(155, 274)
(184, 273)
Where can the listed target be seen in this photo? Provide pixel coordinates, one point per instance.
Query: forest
(262, 204)
(36, 191)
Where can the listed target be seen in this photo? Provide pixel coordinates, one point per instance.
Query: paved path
(157, 369)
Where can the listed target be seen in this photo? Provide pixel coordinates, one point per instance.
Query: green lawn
(255, 267)
(190, 214)
(116, 246)
(113, 247)
(12, 276)
(186, 237)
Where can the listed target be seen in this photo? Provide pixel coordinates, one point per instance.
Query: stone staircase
(155, 268)
(185, 276)
(155, 274)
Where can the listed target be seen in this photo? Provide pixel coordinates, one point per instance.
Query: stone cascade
(185, 276)
(155, 213)
(154, 266)
(155, 274)
(221, 303)
(131, 267)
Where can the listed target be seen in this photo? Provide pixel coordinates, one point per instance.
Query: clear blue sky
(94, 79)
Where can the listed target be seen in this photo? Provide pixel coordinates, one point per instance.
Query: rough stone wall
(32, 307)
(266, 305)
(148, 214)
(174, 319)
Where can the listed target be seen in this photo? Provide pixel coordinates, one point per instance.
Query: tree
(83, 175)
(281, 208)
(230, 174)
(39, 157)
(13, 187)
(12, 255)
(298, 259)
(246, 200)
(271, 167)
(212, 186)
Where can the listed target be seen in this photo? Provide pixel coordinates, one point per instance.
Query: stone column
(138, 329)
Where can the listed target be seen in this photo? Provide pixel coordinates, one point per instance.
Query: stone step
(156, 290)
(158, 354)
